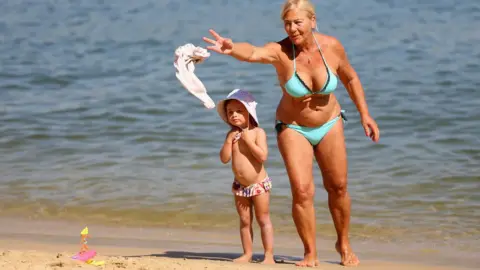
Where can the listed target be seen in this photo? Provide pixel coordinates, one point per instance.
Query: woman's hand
(220, 44)
(370, 127)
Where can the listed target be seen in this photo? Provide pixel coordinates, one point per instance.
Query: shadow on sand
(219, 256)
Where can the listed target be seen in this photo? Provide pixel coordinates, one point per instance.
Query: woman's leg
(331, 156)
(297, 154)
(244, 209)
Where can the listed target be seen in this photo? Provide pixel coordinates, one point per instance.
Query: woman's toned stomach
(311, 111)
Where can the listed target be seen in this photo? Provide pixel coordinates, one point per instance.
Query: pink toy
(85, 255)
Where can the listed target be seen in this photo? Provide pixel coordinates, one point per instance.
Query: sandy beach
(16, 259)
(30, 244)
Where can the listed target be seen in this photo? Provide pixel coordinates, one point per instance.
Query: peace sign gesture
(220, 45)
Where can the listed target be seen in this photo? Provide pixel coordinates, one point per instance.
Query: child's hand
(247, 135)
(237, 136)
(234, 136)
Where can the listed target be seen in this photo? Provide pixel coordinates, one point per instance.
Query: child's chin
(238, 125)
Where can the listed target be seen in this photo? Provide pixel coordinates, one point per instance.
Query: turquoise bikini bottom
(313, 134)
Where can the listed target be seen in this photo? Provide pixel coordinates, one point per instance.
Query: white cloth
(186, 57)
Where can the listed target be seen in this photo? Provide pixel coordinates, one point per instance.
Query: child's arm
(258, 147)
(226, 151)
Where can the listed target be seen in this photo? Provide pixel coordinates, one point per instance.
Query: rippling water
(94, 125)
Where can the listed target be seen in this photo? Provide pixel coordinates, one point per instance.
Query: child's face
(237, 114)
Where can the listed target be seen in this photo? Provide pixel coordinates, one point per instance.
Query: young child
(246, 146)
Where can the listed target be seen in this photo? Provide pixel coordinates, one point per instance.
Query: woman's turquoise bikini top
(297, 88)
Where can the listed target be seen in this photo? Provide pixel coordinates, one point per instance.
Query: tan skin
(311, 111)
(248, 153)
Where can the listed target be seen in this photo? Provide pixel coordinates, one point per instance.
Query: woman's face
(298, 25)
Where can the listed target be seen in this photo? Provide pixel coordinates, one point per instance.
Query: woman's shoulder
(328, 42)
(275, 45)
(283, 46)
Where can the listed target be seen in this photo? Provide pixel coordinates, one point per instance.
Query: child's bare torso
(246, 168)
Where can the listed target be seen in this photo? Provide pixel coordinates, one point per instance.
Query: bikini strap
(294, 62)
(320, 49)
(324, 62)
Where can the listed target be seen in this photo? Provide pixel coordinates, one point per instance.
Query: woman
(308, 66)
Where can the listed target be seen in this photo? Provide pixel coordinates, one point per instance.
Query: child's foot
(268, 259)
(245, 258)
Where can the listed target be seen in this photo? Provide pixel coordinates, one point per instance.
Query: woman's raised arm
(244, 51)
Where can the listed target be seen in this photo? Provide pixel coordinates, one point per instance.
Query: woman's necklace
(309, 57)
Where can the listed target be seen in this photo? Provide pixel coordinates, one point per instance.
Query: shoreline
(192, 248)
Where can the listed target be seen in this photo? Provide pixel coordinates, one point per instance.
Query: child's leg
(262, 213)
(244, 209)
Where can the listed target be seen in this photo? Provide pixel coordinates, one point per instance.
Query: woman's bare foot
(348, 258)
(268, 259)
(310, 260)
(245, 258)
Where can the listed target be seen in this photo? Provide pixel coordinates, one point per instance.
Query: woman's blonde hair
(304, 5)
